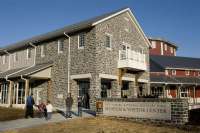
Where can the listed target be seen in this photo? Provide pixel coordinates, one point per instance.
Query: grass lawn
(99, 125)
(11, 114)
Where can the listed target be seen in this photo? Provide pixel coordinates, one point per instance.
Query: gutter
(69, 63)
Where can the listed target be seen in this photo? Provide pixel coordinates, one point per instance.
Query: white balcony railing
(132, 59)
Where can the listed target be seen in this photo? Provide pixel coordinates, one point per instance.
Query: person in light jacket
(49, 108)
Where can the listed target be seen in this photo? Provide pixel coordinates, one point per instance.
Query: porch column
(178, 92)
(131, 89)
(49, 90)
(26, 89)
(10, 93)
(115, 89)
(136, 86)
(95, 90)
(194, 95)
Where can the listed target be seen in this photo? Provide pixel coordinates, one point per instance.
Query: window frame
(171, 50)
(42, 51)
(28, 53)
(153, 44)
(79, 40)
(184, 92)
(110, 41)
(15, 57)
(187, 72)
(165, 47)
(60, 41)
(173, 72)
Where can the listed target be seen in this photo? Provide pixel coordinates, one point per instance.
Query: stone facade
(94, 59)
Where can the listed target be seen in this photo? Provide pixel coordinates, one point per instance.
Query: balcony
(132, 60)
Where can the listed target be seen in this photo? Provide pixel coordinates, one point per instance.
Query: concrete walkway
(31, 122)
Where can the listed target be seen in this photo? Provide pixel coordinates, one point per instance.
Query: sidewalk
(31, 122)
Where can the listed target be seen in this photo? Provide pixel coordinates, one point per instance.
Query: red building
(172, 76)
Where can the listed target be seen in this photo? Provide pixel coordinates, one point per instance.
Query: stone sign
(146, 110)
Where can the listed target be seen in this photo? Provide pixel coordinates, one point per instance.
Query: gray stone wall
(179, 110)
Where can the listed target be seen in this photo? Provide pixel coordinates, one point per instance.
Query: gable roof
(72, 28)
(164, 40)
(176, 62)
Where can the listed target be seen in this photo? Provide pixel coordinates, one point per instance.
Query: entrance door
(84, 92)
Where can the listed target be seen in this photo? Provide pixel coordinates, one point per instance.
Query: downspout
(68, 64)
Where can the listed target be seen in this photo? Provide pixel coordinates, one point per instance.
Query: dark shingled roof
(3, 74)
(174, 80)
(59, 32)
(31, 70)
(175, 62)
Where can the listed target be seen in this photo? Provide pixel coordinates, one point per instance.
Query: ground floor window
(105, 89)
(125, 88)
(21, 93)
(184, 92)
(4, 93)
(157, 91)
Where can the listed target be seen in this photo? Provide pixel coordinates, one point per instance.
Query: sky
(175, 20)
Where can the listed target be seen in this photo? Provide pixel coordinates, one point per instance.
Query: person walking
(49, 108)
(80, 103)
(29, 106)
(69, 103)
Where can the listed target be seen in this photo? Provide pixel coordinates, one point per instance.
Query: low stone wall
(168, 111)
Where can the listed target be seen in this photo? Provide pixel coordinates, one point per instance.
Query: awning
(8, 72)
(37, 71)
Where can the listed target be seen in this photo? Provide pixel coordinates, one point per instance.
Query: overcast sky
(175, 20)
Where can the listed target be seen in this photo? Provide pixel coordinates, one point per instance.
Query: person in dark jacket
(29, 106)
(69, 103)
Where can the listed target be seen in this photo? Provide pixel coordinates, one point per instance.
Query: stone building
(173, 76)
(106, 56)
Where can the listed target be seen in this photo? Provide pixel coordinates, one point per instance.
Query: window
(198, 73)
(173, 72)
(108, 41)
(60, 46)
(21, 93)
(4, 59)
(165, 47)
(15, 57)
(184, 92)
(157, 91)
(43, 50)
(81, 40)
(187, 72)
(166, 72)
(153, 44)
(171, 49)
(28, 53)
(4, 93)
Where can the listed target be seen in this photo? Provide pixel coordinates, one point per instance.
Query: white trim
(181, 68)
(153, 44)
(165, 46)
(81, 76)
(42, 54)
(173, 72)
(133, 20)
(108, 76)
(3, 59)
(27, 53)
(161, 48)
(171, 50)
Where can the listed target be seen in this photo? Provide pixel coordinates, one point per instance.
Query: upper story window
(165, 47)
(81, 40)
(171, 49)
(108, 41)
(4, 59)
(28, 53)
(60, 46)
(15, 57)
(166, 72)
(187, 72)
(173, 72)
(43, 50)
(153, 44)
